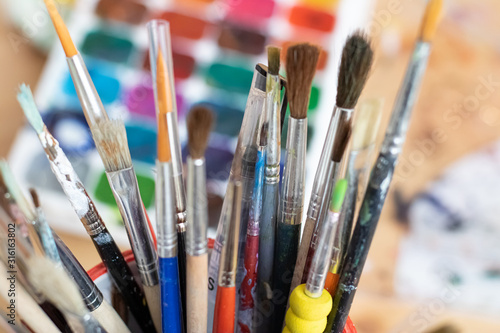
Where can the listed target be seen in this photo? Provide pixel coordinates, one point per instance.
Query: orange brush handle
(225, 307)
(331, 283)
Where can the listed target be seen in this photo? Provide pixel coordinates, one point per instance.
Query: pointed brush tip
(431, 20)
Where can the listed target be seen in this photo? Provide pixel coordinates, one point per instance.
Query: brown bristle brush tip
(34, 196)
(199, 124)
(301, 61)
(355, 65)
(341, 139)
(273, 59)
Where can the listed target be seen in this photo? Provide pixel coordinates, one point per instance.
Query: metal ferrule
(89, 98)
(229, 253)
(408, 93)
(292, 193)
(197, 212)
(323, 183)
(165, 211)
(71, 184)
(175, 147)
(321, 260)
(273, 148)
(126, 191)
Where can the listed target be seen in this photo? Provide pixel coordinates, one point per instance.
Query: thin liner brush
(225, 305)
(356, 61)
(381, 175)
(119, 271)
(301, 60)
(270, 194)
(171, 308)
(89, 99)
(310, 303)
(111, 141)
(160, 51)
(199, 124)
(91, 295)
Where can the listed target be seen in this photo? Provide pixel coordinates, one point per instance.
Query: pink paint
(249, 12)
(140, 101)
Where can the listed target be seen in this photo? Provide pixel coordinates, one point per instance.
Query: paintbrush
(301, 60)
(100, 309)
(225, 304)
(248, 284)
(160, 51)
(119, 272)
(89, 99)
(199, 125)
(382, 173)
(270, 194)
(359, 162)
(55, 284)
(243, 170)
(171, 307)
(111, 142)
(356, 61)
(27, 310)
(310, 303)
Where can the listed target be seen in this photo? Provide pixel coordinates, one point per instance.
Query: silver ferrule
(71, 184)
(165, 211)
(180, 194)
(323, 180)
(126, 191)
(407, 95)
(196, 241)
(321, 259)
(89, 98)
(273, 111)
(229, 253)
(292, 193)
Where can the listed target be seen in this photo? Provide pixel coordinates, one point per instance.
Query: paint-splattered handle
(248, 285)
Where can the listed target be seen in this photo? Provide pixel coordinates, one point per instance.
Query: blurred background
(435, 259)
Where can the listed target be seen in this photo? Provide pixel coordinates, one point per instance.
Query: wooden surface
(462, 54)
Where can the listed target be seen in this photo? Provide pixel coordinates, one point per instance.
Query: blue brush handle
(170, 295)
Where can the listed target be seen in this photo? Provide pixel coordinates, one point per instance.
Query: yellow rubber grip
(306, 314)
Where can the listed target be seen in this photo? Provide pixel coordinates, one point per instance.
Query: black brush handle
(122, 277)
(285, 256)
(361, 239)
(181, 256)
(56, 316)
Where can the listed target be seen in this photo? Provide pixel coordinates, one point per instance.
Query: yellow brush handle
(306, 314)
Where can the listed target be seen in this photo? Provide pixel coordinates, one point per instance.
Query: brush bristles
(273, 59)
(355, 65)
(111, 141)
(341, 139)
(301, 61)
(367, 124)
(27, 102)
(34, 196)
(199, 124)
(431, 19)
(55, 284)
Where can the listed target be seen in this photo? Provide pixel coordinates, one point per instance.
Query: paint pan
(242, 40)
(106, 46)
(185, 26)
(306, 17)
(128, 11)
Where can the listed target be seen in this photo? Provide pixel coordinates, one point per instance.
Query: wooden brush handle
(225, 306)
(153, 297)
(332, 280)
(306, 314)
(303, 253)
(109, 319)
(197, 293)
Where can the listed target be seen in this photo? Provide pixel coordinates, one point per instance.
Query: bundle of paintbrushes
(262, 275)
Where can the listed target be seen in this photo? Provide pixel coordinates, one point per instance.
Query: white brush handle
(153, 297)
(109, 319)
(197, 293)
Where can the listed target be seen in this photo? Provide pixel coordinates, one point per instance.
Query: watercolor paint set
(216, 45)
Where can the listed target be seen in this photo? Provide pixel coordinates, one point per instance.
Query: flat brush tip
(61, 29)
(301, 61)
(431, 19)
(273, 59)
(110, 138)
(199, 123)
(27, 102)
(367, 124)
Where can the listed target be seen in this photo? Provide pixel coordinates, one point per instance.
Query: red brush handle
(225, 310)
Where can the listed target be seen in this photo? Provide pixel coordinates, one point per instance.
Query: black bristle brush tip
(355, 65)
